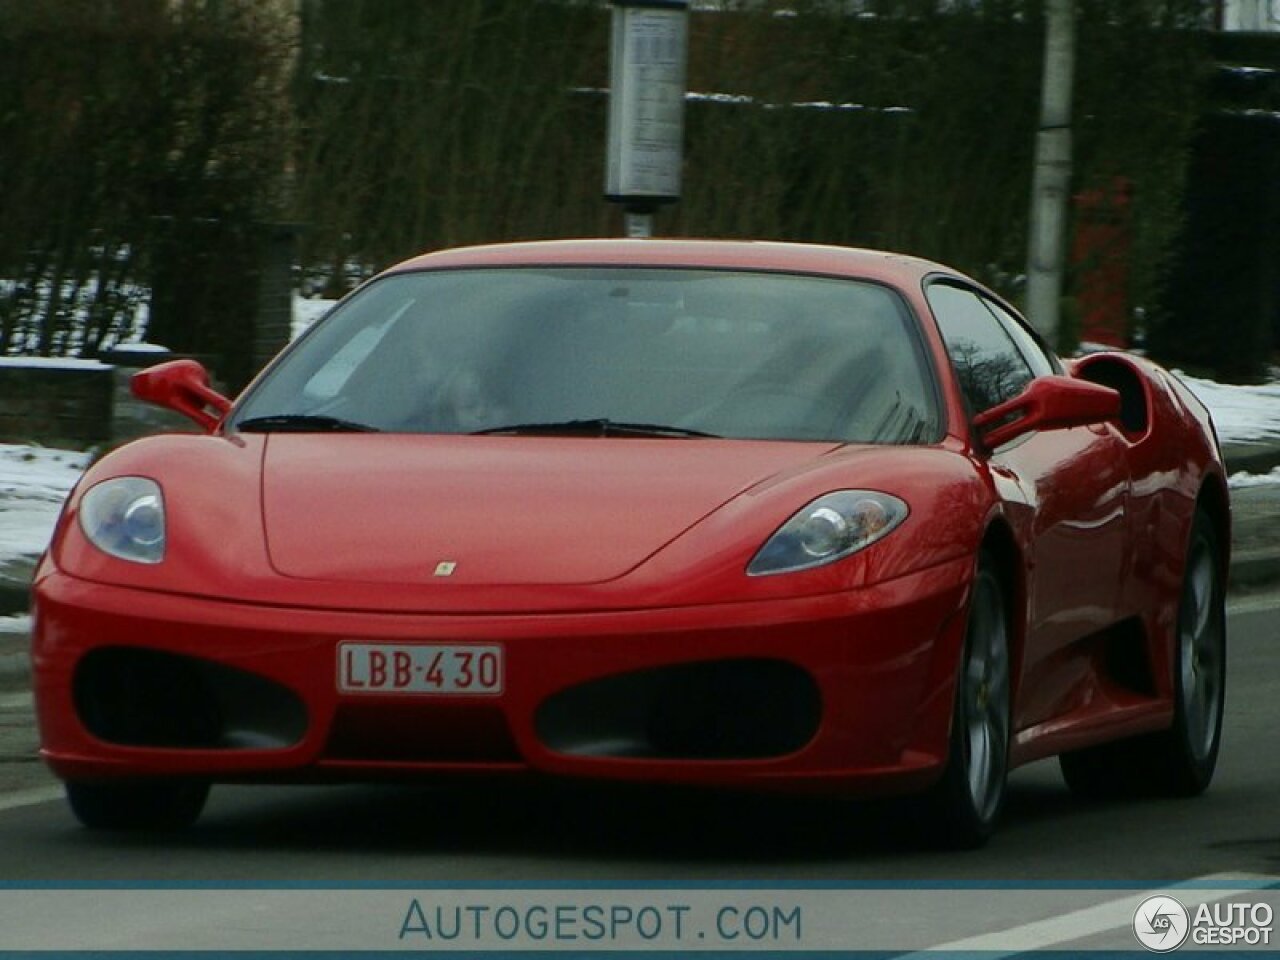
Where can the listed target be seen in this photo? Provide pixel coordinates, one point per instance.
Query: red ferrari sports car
(756, 515)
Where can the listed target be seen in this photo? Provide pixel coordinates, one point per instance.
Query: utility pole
(1051, 181)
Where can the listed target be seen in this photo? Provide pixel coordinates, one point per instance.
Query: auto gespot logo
(1162, 924)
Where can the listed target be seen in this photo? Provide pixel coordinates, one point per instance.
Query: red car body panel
(593, 558)
(507, 504)
(886, 687)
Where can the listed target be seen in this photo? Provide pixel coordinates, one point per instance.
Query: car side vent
(1125, 380)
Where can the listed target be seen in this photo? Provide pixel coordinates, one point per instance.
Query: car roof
(892, 268)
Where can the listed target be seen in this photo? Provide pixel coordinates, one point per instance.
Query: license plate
(428, 668)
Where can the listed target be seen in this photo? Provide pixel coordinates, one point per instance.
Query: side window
(1042, 362)
(988, 364)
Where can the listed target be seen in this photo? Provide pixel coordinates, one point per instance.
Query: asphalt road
(584, 833)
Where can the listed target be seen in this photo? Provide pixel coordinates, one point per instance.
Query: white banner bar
(1228, 913)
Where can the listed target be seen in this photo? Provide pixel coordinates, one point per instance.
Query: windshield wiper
(302, 423)
(598, 427)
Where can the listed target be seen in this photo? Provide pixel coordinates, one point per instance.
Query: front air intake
(745, 709)
(148, 698)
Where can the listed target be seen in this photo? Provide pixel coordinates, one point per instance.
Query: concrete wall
(132, 418)
(57, 403)
(78, 404)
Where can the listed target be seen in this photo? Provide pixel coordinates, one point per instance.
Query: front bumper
(849, 691)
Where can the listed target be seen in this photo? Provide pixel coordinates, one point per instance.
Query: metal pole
(1051, 182)
(639, 225)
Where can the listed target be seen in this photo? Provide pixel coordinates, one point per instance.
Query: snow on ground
(35, 480)
(53, 363)
(33, 483)
(1241, 413)
(1240, 480)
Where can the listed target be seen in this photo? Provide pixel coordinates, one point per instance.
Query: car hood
(496, 510)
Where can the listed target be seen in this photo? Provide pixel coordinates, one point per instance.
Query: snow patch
(34, 481)
(1241, 413)
(54, 363)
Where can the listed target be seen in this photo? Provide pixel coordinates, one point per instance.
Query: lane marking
(29, 798)
(1091, 921)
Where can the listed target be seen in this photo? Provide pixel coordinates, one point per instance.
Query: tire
(968, 799)
(137, 804)
(1179, 761)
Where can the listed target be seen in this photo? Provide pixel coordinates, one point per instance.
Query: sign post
(647, 66)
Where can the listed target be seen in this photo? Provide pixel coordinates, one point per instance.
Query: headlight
(125, 518)
(831, 527)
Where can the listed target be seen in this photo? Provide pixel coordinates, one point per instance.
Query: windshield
(608, 351)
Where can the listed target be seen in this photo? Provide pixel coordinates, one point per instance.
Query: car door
(1067, 490)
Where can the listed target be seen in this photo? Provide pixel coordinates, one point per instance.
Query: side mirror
(181, 385)
(1048, 403)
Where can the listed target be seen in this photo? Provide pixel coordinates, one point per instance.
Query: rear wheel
(137, 804)
(1189, 750)
(968, 799)
(1181, 760)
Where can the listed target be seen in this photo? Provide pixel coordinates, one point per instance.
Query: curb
(1251, 458)
(15, 669)
(1253, 568)
(15, 597)
(15, 584)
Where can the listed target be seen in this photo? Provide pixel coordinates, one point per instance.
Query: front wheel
(137, 804)
(968, 799)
